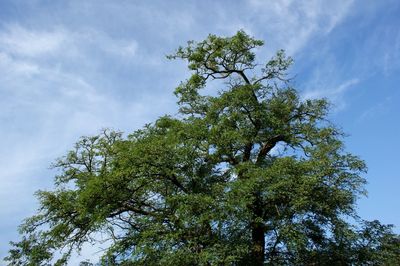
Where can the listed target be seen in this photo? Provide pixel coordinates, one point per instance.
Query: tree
(250, 175)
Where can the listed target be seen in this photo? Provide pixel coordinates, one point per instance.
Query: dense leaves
(250, 175)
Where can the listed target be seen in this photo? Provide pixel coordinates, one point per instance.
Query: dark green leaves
(219, 57)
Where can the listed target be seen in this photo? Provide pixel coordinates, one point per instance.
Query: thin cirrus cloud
(19, 41)
(334, 94)
(292, 24)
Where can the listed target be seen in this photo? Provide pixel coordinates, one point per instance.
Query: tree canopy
(249, 175)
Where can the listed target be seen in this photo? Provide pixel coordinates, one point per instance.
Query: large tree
(249, 175)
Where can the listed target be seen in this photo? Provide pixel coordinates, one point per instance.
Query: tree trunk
(258, 248)
(258, 233)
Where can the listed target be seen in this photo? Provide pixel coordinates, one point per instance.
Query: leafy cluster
(251, 176)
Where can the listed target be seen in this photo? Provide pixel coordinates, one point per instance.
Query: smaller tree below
(251, 175)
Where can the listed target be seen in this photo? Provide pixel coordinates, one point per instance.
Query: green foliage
(252, 176)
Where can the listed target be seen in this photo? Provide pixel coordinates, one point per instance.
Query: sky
(72, 68)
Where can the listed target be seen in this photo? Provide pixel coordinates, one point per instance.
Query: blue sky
(71, 68)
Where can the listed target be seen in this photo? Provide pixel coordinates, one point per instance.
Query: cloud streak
(20, 41)
(291, 25)
(335, 95)
(331, 93)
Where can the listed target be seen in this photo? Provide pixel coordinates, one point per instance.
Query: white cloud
(331, 93)
(8, 65)
(377, 109)
(334, 94)
(92, 38)
(22, 41)
(124, 48)
(388, 43)
(292, 24)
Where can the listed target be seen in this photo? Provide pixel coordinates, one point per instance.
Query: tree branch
(268, 146)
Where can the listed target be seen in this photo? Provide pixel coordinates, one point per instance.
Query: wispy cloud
(92, 38)
(292, 24)
(378, 109)
(10, 66)
(331, 93)
(21, 41)
(386, 44)
(59, 43)
(335, 94)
